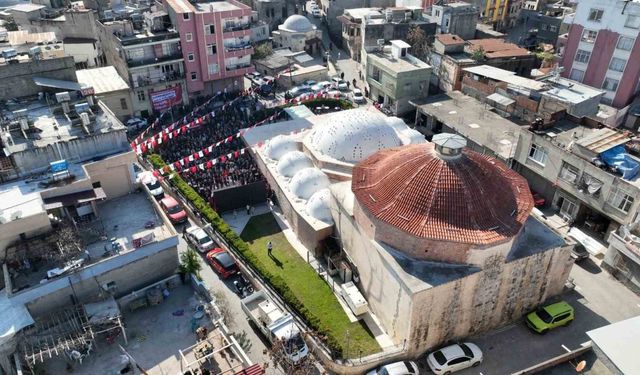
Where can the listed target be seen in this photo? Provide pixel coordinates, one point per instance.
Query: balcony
(239, 66)
(166, 77)
(140, 38)
(236, 27)
(238, 50)
(154, 60)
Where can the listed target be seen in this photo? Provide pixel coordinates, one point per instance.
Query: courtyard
(308, 287)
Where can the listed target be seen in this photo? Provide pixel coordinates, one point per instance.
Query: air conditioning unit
(63, 96)
(82, 107)
(84, 117)
(65, 107)
(24, 123)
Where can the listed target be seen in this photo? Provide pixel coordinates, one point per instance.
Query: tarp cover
(15, 317)
(618, 158)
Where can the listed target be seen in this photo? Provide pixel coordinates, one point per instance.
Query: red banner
(164, 99)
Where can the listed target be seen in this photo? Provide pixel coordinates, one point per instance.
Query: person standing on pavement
(342, 75)
(348, 85)
(354, 83)
(248, 210)
(269, 247)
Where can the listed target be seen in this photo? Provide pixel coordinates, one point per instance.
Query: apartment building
(457, 18)
(147, 53)
(215, 40)
(602, 48)
(332, 9)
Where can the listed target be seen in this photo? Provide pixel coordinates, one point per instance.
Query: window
(209, 29)
(617, 65)
(632, 22)
(211, 49)
(595, 15)
(96, 185)
(194, 76)
(213, 68)
(590, 185)
(123, 103)
(538, 154)
(625, 43)
(620, 200)
(553, 28)
(569, 173)
(577, 75)
(437, 13)
(189, 37)
(610, 84)
(544, 26)
(582, 56)
(185, 16)
(190, 56)
(561, 317)
(375, 73)
(458, 360)
(589, 36)
(141, 96)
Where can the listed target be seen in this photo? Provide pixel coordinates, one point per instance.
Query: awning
(58, 84)
(501, 99)
(74, 198)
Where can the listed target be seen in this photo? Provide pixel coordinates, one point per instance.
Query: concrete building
(601, 46)
(544, 25)
(332, 9)
(149, 57)
(112, 90)
(458, 18)
(215, 40)
(26, 46)
(578, 166)
(273, 12)
(352, 21)
(17, 79)
(615, 345)
(496, 13)
(394, 24)
(432, 270)
(297, 34)
(622, 258)
(447, 59)
(503, 55)
(395, 77)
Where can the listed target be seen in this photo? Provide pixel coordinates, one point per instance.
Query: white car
(136, 123)
(197, 237)
(454, 358)
(397, 368)
(336, 94)
(316, 12)
(358, 97)
(339, 83)
(152, 183)
(323, 85)
(253, 75)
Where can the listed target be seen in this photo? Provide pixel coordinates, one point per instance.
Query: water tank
(9, 53)
(82, 107)
(63, 96)
(84, 117)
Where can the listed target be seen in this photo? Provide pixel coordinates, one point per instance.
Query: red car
(222, 262)
(538, 200)
(174, 210)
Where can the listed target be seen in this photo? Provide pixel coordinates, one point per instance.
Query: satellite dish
(581, 365)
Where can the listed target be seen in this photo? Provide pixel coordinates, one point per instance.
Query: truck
(276, 325)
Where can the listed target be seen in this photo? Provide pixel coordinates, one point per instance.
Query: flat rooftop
(619, 343)
(14, 204)
(103, 80)
(216, 6)
(570, 91)
(123, 219)
(507, 76)
(50, 125)
(471, 118)
(156, 335)
(405, 64)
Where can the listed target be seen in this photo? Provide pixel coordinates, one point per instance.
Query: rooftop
(567, 90)
(126, 219)
(103, 80)
(405, 64)
(619, 343)
(219, 6)
(506, 76)
(26, 7)
(48, 124)
(449, 39)
(361, 13)
(497, 48)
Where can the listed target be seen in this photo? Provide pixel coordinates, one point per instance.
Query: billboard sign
(59, 166)
(164, 99)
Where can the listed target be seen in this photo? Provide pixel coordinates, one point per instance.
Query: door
(568, 209)
(559, 320)
(458, 364)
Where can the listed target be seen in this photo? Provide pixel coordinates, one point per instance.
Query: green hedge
(333, 343)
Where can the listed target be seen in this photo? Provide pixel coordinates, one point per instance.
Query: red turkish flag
(196, 156)
(209, 164)
(193, 169)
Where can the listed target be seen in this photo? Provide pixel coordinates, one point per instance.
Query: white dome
(297, 24)
(307, 181)
(353, 135)
(280, 145)
(318, 206)
(292, 162)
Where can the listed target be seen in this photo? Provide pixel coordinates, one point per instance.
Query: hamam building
(439, 237)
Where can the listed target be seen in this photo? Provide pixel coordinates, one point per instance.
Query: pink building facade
(602, 48)
(215, 40)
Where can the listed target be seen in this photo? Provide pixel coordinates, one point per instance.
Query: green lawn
(308, 287)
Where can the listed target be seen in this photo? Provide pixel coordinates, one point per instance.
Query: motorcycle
(242, 286)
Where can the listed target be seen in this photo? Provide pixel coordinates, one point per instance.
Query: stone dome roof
(318, 206)
(293, 161)
(297, 24)
(453, 195)
(353, 136)
(307, 181)
(280, 145)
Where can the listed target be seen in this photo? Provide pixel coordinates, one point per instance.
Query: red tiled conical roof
(472, 199)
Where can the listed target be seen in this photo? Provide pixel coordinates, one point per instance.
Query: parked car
(199, 239)
(358, 97)
(174, 210)
(454, 358)
(155, 188)
(253, 75)
(299, 90)
(550, 317)
(222, 262)
(339, 84)
(579, 252)
(337, 94)
(396, 368)
(323, 85)
(309, 83)
(538, 200)
(136, 123)
(316, 13)
(269, 80)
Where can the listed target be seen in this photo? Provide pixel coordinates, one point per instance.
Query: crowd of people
(224, 172)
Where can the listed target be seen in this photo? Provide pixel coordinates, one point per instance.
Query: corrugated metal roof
(505, 76)
(102, 80)
(603, 139)
(500, 99)
(58, 83)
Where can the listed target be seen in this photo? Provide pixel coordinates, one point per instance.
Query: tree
(67, 242)
(190, 263)
(419, 42)
(10, 24)
(478, 54)
(278, 356)
(261, 51)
